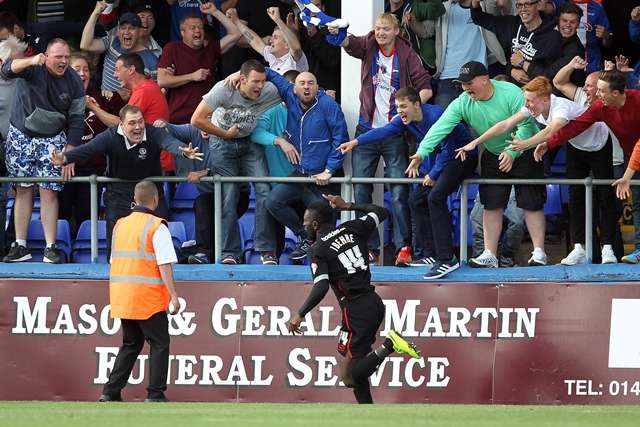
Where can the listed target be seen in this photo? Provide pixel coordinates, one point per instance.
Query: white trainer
(485, 260)
(538, 258)
(608, 257)
(576, 256)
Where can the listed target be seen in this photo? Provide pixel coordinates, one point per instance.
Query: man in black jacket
(568, 23)
(529, 39)
(133, 153)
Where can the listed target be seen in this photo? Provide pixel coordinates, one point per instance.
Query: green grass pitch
(68, 414)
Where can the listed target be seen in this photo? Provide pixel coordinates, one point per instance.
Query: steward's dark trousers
(134, 332)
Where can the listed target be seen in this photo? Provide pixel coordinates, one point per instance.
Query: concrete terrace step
(553, 273)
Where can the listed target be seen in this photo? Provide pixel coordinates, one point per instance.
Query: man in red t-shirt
(617, 108)
(145, 94)
(187, 67)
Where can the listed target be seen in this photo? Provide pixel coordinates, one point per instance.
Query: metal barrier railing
(218, 180)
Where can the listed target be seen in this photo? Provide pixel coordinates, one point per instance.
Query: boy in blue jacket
(443, 174)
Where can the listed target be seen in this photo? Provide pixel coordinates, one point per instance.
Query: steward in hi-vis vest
(141, 291)
(136, 289)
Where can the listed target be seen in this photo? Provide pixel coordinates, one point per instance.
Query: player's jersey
(342, 256)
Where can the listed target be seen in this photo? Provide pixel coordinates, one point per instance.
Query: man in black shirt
(337, 260)
(133, 153)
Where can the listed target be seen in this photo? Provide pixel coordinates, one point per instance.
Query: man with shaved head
(141, 292)
(315, 127)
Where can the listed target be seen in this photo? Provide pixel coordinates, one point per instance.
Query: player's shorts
(29, 157)
(528, 197)
(361, 319)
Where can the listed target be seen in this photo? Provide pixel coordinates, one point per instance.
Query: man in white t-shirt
(584, 96)
(588, 153)
(283, 52)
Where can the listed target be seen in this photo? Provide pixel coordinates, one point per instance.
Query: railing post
(93, 185)
(463, 221)
(588, 218)
(217, 219)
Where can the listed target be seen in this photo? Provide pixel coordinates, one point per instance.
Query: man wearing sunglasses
(529, 37)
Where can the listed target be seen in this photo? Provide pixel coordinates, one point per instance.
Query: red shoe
(374, 258)
(404, 257)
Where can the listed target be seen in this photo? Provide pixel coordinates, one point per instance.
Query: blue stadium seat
(454, 198)
(290, 239)
(455, 223)
(559, 163)
(252, 198)
(178, 234)
(184, 196)
(553, 205)
(182, 207)
(36, 241)
(81, 249)
(564, 194)
(168, 193)
(188, 219)
(252, 257)
(454, 207)
(246, 224)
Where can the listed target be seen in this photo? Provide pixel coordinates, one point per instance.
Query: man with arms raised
(133, 153)
(483, 103)
(589, 154)
(229, 116)
(388, 64)
(443, 175)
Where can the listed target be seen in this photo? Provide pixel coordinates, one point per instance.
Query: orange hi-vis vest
(136, 289)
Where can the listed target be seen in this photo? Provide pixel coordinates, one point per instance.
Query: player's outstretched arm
(339, 203)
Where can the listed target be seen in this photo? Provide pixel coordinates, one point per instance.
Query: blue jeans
(364, 163)
(281, 202)
(241, 157)
(446, 91)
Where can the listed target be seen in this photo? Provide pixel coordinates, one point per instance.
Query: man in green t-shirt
(484, 103)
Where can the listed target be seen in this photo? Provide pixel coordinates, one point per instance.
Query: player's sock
(361, 369)
(362, 392)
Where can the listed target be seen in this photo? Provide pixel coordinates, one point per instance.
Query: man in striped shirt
(124, 39)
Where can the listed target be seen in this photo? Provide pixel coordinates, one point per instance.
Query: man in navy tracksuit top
(316, 127)
(443, 173)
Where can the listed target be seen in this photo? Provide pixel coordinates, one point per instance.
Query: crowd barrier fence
(346, 183)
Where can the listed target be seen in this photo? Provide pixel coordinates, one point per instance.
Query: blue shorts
(29, 157)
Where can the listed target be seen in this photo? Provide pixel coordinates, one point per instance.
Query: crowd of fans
(147, 88)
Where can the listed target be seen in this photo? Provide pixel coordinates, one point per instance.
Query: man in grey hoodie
(529, 39)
